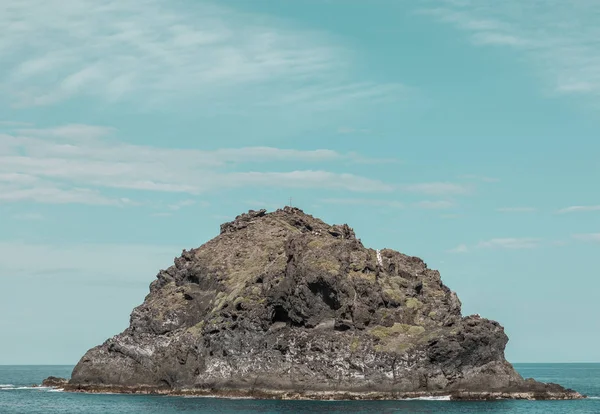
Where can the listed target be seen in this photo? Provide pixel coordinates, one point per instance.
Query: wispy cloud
(461, 248)
(509, 243)
(305, 179)
(439, 188)
(579, 209)
(29, 216)
(365, 202)
(71, 132)
(351, 130)
(171, 208)
(435, 205)
(54, 195)
(587, 237)
(76, 163)
(482, 178)
(559, 39)
(450, 216)
(182, 204)
(14, 124)
(517, 209)
(426, 205)
(86, 261)
(162, 214)
(16, 178)
(160, 51)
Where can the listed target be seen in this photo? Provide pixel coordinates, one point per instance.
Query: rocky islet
(284, 305)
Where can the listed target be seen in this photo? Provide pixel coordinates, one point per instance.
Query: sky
(464, 132)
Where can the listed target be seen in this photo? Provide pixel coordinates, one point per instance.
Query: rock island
(284, 305)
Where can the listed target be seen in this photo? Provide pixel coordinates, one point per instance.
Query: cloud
(177, 206)
(76, 132)
(17, 178)
(267, 153)
(85, 263)
(28, 216)
(578, 209)
(557, 38)
(426, 205)
(490, 38)
(163, 214)
(14, 124)
(181, 204)
(350, 130)
(434, 205)
(481, 178)
(500, 243)
(450, 216)
(364, 202)
(510, 243)
(79, 163)
(174, 207)
(118, 51)
(306, 179)
(438, 188)
(517, 209)
(587, 237)
(324, 96)
(461, 248)
(53, 195)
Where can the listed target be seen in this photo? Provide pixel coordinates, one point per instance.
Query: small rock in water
(55, 382)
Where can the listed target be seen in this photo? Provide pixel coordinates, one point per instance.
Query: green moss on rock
(383, 332)
(412, 303)
(354, 344)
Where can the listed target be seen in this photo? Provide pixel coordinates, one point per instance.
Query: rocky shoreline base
(265, 394)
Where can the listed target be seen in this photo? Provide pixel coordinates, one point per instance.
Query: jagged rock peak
(292, 216)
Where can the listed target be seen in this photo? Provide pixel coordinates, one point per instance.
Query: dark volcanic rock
(55, 382)
(284, 305)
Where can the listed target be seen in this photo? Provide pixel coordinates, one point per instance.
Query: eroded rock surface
(285, 305)
(54, 382)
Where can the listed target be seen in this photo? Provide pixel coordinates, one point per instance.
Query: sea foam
(10, 387)
(440, 398)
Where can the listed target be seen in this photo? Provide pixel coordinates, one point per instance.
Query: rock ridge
(284, 305)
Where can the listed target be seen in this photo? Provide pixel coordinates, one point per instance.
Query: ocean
(17, 396)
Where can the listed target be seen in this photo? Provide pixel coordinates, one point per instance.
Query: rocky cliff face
(285, 305)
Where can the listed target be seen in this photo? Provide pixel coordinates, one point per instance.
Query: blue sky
(461, 131)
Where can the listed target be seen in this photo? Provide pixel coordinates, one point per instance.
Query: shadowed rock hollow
(285, 305)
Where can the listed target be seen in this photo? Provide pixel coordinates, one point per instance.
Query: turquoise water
(17, 397)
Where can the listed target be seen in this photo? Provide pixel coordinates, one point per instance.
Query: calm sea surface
(16, 396)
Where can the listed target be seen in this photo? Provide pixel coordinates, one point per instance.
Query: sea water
(17, 396)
